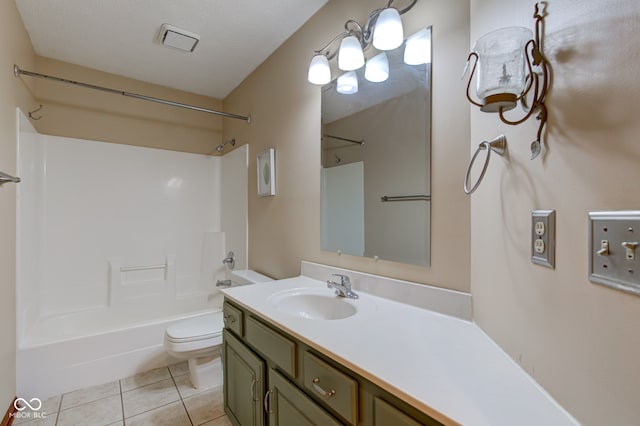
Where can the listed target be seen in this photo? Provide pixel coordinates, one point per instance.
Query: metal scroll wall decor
(512, 68)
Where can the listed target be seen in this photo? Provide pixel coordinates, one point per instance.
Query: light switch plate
(614, 254)
(543, 237)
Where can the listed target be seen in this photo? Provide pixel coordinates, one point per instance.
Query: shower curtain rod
(340, 138)
(18, 72)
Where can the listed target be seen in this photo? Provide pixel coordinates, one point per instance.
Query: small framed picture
(267, 173)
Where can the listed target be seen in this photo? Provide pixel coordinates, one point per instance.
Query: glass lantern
(502, 74)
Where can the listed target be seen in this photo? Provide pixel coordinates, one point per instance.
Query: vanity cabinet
(288, 405)
(244, 382)
(272, 378)
(385, 414)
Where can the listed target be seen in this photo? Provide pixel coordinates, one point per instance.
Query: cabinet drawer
(232, 317)
(337, 390)
(272, 344)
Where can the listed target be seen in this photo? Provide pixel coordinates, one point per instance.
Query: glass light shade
(377, 68)
(350, 56)
(417, 49)
(347, 83)
(501, 67)
(388, 33)
(319, 71)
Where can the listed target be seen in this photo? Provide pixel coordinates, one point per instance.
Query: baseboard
(9, 416)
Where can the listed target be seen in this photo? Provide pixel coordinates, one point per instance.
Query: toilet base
(205, 372)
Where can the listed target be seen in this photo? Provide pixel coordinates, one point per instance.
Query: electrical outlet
(543, 237)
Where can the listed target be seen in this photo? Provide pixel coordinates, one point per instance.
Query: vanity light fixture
(512, 69)
(417, 49)
(388, 33)
(347, 83)
(383, 30)
(377, 69)
(350, 55)
(319, 71)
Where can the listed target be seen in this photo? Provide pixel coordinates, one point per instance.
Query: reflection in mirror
(376, 144)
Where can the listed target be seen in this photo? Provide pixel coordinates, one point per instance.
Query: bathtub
(62, 353)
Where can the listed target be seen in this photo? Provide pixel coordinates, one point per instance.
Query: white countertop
(444, 366)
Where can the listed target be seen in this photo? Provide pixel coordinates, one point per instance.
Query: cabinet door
(384, 414)
(244, 383)
(289, 406)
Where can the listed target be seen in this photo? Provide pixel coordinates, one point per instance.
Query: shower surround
(114, 243)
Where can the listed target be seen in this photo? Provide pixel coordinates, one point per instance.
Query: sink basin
(315, 304)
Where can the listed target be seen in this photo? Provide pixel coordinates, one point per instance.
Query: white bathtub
(71, 351)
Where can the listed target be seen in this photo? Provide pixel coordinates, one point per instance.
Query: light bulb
(348, 83)
(350, 56)
(388, 33)
(319, 71)
(417, 49)
(377, 69)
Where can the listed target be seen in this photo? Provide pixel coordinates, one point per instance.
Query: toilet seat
(196, 333)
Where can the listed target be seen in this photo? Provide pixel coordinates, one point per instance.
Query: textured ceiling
(118, 36)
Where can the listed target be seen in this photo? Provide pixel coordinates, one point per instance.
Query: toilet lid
(196, 328)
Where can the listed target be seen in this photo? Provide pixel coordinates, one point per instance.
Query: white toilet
(199, 339)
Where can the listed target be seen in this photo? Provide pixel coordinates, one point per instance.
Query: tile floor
(159, 397)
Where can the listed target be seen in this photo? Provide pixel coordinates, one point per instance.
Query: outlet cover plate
(543, 236)
(608, 230)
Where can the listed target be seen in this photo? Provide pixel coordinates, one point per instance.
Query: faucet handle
(343, 278)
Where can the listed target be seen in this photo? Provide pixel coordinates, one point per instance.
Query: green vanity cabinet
(289, 406)
(385, 414)
(233, 319)
(244, 383)
(271, 378)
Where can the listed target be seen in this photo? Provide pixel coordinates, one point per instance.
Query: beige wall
(286, 115)
(88, 114)
(577, 339)
(15, 47)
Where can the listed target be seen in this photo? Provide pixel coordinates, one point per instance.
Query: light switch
(543, 234)
(604, 248)
(631, 249)
(614, 238)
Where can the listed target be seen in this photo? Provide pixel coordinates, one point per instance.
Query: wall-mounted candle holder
(512, 69)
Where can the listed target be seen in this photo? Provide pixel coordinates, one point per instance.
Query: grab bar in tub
(142, 268)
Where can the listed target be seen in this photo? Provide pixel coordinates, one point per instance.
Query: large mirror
(376, 156)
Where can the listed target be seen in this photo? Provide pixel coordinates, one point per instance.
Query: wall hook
(33, 117)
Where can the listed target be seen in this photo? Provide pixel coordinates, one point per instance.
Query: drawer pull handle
(229, 318)
(266, 404)
(253, 389)
(319, 390)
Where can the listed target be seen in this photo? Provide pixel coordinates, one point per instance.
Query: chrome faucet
(223, 283)
(230, 260)
(343, 288)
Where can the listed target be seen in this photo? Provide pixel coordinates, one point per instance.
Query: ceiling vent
(178, 38)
